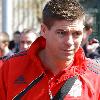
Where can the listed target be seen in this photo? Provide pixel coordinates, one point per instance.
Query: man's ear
(43, 30)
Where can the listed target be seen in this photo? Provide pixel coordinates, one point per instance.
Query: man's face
(26, 40)
(3, 43)
(16, 38)
(63, 39)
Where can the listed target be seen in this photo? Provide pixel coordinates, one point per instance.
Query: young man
(54, 67)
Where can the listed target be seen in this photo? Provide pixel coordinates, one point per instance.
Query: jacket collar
(36, 46)
(80, 62)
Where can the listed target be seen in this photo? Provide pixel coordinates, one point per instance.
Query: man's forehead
(78, 25)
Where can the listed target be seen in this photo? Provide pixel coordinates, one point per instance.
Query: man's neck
(54, 65)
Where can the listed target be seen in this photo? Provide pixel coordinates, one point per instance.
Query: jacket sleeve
(3, 80)
(94, 66)
(98, 97)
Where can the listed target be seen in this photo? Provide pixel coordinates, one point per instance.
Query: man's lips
(67, 51)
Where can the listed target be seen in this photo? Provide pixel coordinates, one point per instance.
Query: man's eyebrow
(62, 30)
(73, 30)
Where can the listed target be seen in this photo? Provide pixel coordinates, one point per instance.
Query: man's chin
(68, 58)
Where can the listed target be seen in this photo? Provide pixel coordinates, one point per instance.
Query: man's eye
(29, 42)
(77, 33)
(61, 33)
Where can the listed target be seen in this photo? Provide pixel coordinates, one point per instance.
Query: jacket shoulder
(94, 65)
(21, 53)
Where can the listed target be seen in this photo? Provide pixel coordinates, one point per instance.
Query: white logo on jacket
(76, 89)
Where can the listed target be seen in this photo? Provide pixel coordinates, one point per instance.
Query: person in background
(11, 46)
(4, 42)
(90, 47)
(0, 52)
(16, 39)
(55, 66)
(93, 49)
(27, 37)
(88, 30)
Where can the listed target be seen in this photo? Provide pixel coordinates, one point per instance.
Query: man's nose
(69, 40)
(25, 46)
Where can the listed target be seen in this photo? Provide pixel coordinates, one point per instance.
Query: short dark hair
(61, 9)
(17, 32)
(11, 45)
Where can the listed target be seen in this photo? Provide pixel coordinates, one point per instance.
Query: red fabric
(0, 53)
(1, 63)
(27, 66)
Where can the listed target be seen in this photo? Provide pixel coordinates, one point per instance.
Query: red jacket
(20, 70)
(1, 63)
(0, 53)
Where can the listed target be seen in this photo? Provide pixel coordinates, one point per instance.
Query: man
(88, 30)
(93, 49)
(4, 42)
(16, 40)
(54, 67)
(4, 50)
(27, 37)
(90, 47)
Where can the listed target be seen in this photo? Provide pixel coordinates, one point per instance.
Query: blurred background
(16, 15)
